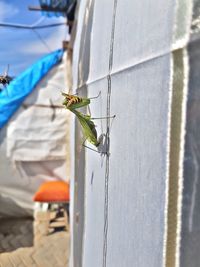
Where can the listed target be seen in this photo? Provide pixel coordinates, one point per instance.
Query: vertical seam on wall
(167, 160)
(86, 17)
(176, 152)
(182, 151)
(107, 172)
(176, 134)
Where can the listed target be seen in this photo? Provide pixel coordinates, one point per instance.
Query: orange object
(54, 191)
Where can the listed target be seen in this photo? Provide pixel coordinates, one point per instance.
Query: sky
(21, 48)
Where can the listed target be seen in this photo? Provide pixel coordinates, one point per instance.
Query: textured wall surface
(190, 243)
(125, 53)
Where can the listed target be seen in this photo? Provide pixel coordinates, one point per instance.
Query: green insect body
(72, 102)
(88, 127)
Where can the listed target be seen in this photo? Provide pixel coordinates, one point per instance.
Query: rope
(42, 40)
(107, 173)
(34, 27)
(31, 27)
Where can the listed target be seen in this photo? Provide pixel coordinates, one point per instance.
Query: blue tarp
(15, 93)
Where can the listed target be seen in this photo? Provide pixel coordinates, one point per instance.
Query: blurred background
(134, 199)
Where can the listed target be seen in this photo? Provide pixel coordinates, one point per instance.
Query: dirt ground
(50, 251)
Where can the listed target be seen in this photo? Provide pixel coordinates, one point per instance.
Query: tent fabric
(27, 138)
(122, 199)
(12, 97)
(190, 230)
(26, 163)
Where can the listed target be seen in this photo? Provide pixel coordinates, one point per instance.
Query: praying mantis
(72, 103)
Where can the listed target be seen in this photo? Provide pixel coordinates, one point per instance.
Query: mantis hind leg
(83, 144)
(102, 148)
(91, 149)
(104, 118)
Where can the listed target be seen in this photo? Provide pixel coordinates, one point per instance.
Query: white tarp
(124, 51)
(36, 143)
